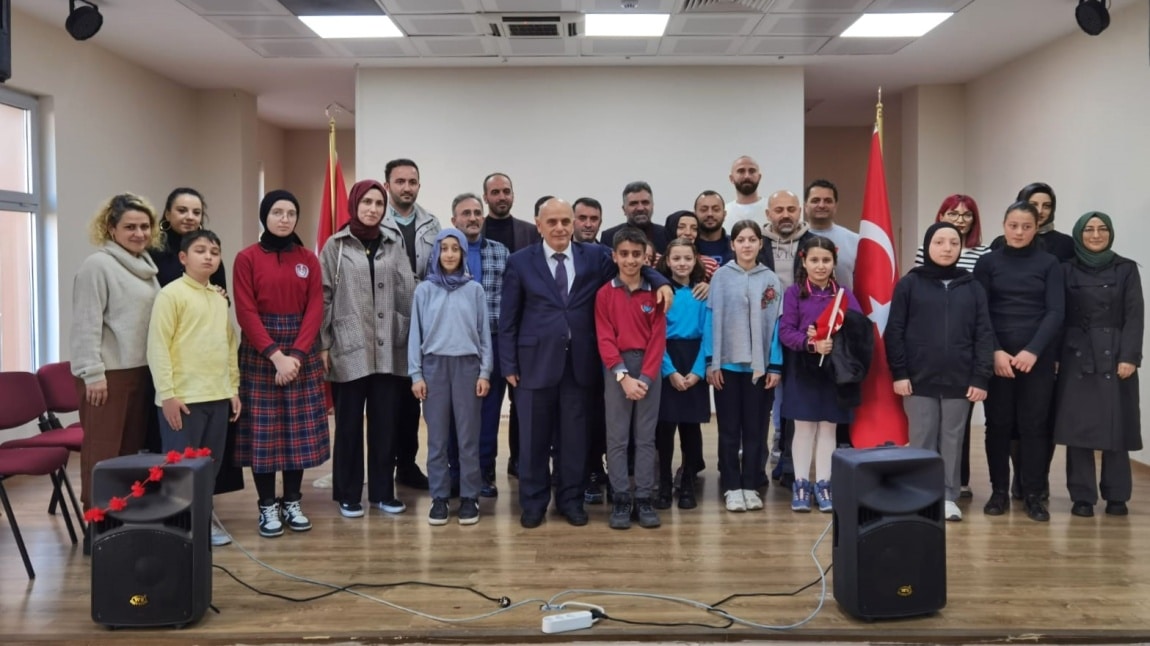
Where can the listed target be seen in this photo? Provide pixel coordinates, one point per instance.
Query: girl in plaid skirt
(279, 306)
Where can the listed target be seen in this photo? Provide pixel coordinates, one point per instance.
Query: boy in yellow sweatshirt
(192, 354)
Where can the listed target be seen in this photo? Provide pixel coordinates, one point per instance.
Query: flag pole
(331, 168)
(878, 117)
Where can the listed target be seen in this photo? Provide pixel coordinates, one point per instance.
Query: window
(19, 211)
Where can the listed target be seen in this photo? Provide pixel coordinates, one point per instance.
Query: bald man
(785, 231)
(548, 353)
(747, 205)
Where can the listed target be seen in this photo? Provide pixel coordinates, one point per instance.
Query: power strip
(567, 622)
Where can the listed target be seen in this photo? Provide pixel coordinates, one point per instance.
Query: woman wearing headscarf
(279, 306)
(1098, 407)
(368, 285)
(1041, 196)
(940, 347)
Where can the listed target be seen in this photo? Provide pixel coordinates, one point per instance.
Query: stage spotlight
(83, 22)
(1092, 16)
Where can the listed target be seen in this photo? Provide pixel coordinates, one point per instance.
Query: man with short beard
(638, 207)
(822, 202)
(745, 177)
(515, 234)
(712, 240)
(785, 232)
(588, 219)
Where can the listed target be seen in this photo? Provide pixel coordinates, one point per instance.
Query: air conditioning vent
(718, 6)
(535, 26)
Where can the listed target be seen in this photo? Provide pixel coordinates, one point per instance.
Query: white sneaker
(752, 500)
(322, 483)
(951, 511)
(219, 535)
(735, 500)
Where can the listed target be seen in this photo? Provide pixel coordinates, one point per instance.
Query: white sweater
(112, 299)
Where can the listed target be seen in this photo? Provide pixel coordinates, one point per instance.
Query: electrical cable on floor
(597, 612)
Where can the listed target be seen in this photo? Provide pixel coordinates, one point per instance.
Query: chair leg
(16, 532)
(76, 508)
(58, 493)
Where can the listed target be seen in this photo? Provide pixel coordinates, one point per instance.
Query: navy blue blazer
(535, 326)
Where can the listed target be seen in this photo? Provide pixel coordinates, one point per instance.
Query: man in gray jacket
(417, 228)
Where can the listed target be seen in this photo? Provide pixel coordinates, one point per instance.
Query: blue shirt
(688, 318)
(475, 259)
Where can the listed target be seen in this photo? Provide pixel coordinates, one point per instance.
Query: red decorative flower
(173, 457)
(94, 515)
(117, 504)
(138, 489)
(155, 474)
(204, 453)
(191, 452)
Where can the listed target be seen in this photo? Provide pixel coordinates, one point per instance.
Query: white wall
(585, 131)
(1073, 114)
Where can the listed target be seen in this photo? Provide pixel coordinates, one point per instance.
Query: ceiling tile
(261, 26)
(712, 24)
(783, 45)
(699, 46)
(291, 48)
(819, 6)
(619, 46)
(725, 6)
(452, 47)
(442, 25)
(530, 6)
(396, 7)
(236, 7)
(914, 6)
(370, 48)
(864, 46)
(539, 47)
(616, 6)
(831, 24)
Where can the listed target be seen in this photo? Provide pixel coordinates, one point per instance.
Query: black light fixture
(1092, 16)
(83, 22)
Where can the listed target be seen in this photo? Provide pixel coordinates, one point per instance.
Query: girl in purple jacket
(810, 395)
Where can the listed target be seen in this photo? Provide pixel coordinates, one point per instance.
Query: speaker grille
(181, 521)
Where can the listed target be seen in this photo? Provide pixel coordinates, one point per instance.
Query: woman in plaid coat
(279, 306)
(368, 286)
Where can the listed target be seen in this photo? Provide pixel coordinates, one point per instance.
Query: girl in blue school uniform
(685, 401)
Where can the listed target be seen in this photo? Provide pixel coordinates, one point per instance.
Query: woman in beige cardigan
(111, 306)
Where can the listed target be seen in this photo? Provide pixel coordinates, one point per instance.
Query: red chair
(21, 403)
(58, 387)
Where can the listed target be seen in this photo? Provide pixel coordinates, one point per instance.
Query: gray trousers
(623, 416)
(205, 426)
(1080, 475)
(938, 425)
(451, 393)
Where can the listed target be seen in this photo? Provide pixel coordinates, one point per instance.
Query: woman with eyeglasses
(1097, 392)
(962, 211)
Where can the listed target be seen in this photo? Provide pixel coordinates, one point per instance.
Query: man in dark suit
(638, 208)
(548, 353)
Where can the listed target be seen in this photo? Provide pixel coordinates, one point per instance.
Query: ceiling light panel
(646, 25)
(894, 25)
(352, 26)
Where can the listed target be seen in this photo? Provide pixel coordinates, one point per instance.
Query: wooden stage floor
(1082, 580)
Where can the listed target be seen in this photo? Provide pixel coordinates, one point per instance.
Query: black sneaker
(468, 511)
(621, 513)
(996, 506)
(439, 512)
(350, 509)
(593, 494)
(648, 517)
(489, 490)
(1036, 510)
(663, 499)
(687, 494)
(1082, 509)
(1117, 508)
(513, 468)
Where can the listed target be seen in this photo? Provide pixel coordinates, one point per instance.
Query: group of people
(609, 342)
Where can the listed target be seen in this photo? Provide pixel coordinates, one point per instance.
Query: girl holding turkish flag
(811, 396)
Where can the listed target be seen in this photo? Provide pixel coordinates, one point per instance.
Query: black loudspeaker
(5, 40)
(889, 533)
(152, 561)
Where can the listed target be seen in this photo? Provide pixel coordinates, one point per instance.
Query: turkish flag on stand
(333, 212)
(880, 418)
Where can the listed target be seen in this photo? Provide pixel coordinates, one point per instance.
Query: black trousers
(381, 395)
(596, 430)
(1020, 406)
(558, 413)
(406, 413)
(1081, 476)
(742, 408)
(690, 444)
(965, 476)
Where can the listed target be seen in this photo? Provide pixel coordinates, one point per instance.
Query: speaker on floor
(5, 40)
(889, 533)
(152, 561)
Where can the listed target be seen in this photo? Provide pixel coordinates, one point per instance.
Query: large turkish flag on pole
(880, 418)
(333, 213)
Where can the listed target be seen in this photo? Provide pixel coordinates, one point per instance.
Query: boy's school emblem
(647, 309)
(301, 270)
